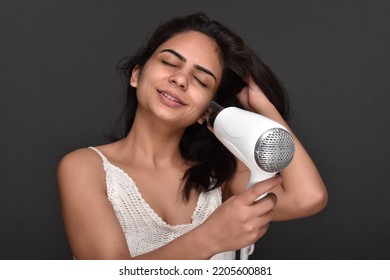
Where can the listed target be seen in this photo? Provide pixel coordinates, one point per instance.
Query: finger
(252, 85)
(263, 224)
(265, 205)
(242, 96)
(253, 193)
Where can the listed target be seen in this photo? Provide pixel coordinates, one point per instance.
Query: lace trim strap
(105, 160)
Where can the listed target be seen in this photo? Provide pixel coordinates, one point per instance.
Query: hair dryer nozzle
(274, 150)
(212, 112)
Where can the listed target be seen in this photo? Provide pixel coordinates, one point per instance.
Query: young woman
(166, 188)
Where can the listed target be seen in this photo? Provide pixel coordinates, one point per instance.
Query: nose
(180, 79)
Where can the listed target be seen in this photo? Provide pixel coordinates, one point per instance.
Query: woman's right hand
(241, 220)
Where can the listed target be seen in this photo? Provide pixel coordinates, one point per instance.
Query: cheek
(202, 103)
(145, 80)
(206, 97)
(205, 103)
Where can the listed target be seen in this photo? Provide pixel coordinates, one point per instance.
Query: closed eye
(200, 82)
(168, 63)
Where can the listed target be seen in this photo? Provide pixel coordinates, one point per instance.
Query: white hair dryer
(263, 145)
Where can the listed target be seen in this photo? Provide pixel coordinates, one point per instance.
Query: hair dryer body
(244, 134)
(263, 145)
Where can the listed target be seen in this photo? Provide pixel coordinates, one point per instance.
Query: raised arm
(303, 192)
(94, 232)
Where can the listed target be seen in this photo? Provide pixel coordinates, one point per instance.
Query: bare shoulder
(82, 166)
(81, 160)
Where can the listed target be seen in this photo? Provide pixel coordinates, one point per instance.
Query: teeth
(171, 98)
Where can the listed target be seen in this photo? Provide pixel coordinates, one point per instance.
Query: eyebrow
(182, 58)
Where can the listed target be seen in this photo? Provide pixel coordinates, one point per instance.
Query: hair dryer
(263, 145)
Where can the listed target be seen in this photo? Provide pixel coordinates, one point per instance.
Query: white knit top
(144, 230)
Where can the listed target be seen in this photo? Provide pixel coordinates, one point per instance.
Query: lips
(171, 96)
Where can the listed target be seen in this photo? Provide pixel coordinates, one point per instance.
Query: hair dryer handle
(259, 176)
(256, 177)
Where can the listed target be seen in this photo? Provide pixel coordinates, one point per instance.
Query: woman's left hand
(252, 98)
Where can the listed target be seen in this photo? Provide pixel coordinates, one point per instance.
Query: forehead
(196, 48)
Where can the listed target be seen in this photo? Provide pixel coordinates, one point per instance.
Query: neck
(154, 143)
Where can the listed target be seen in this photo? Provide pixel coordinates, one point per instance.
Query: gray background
(59, 91)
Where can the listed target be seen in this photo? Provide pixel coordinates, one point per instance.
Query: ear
(135, 76)
(202, 119)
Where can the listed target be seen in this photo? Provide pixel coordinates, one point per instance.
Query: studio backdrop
(59, 91)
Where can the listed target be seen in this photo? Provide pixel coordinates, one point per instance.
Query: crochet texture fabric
(144, 230)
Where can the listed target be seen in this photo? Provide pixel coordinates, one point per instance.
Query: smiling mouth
(171, 98)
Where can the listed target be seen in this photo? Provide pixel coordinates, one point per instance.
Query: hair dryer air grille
(274, 150)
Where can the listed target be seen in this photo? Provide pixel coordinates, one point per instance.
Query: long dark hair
(211, 163)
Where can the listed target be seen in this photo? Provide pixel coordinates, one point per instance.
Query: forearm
(193, 245)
